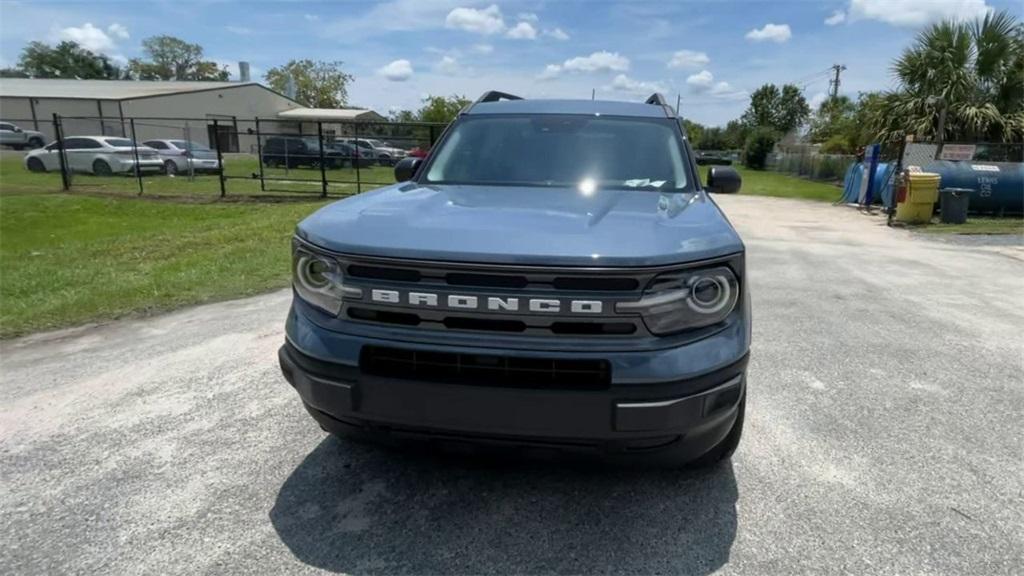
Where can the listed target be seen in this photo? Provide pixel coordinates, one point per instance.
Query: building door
(224, 136)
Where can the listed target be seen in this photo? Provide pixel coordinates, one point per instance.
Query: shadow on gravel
(362, 509)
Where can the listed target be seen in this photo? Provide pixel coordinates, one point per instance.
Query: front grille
(486, 370)
(486, 282)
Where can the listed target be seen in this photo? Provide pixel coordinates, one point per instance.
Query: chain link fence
(226, 156)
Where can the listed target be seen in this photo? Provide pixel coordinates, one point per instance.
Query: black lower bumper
(682, 418)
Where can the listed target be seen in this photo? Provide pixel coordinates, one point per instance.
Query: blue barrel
(997, 186)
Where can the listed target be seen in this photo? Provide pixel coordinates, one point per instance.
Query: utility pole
(834, 82)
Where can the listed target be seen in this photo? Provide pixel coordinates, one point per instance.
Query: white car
(100, 155)
(179, 154)
(18, 138)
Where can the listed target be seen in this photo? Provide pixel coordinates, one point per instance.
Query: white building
(164, 110)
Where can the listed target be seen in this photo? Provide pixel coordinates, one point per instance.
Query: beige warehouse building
(203, 112)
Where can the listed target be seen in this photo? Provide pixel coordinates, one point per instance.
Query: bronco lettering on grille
(490, 303)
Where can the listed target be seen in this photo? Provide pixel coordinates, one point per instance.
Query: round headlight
(709, 294)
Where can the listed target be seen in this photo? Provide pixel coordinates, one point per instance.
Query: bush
(837, 144)
(759, 145)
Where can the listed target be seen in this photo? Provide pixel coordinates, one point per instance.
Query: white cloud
(688, 59)
(701, 81)
(726, 91)
(448, 65)
(556, 33)
(917, 12)
(240, 30)
(817, 99)
(623, 83)
(837, 17)
(597, 62)
(89, 37)
(527, 16)
(550, 71)
(602, 61)
(311, 17)
(486, 21)
(772, 32)
(397, 71)
(118, 31)
(522, 31)
(483, 48)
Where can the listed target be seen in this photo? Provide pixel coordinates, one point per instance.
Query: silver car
(19, 138)
(100, 155)
(181, 155)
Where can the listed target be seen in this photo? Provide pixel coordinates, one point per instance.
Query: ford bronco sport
(553, 276)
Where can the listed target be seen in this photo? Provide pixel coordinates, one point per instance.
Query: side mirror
(18, 130)
(723, 180)
(406, 168)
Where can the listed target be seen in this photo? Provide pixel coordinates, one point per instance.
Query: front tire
(101, 168)
(36, 165)
(170, 168)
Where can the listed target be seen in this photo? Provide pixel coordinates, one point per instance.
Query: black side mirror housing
(406, 168)
(723, 180)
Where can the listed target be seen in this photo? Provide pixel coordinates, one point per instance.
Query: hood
(522, 225)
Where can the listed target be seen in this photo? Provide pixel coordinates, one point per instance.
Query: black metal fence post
(357, 158)
(259, 156)
(323, 167)
(220, 156)
(58, 132)
(135, 153)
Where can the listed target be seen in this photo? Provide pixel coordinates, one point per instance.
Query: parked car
(712, 158)
(480, 300)
(352, 155)
(294, 151)
(19, 138)
(99, 155)
(383, 155)
(180, 155)
(387, 151)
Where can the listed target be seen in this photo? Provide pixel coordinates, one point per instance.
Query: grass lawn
(767, 183)
(977, 225)
(66, 259)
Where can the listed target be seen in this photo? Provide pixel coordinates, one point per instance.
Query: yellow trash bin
(922, 194)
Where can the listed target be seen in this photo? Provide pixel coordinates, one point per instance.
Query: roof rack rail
(658, 100)
(490, 96)
(494, 96)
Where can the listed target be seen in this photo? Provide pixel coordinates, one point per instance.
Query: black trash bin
(953, 205)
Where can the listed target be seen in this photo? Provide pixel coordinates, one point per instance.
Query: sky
(709, 53)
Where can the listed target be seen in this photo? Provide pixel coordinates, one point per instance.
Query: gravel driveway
(883, 437)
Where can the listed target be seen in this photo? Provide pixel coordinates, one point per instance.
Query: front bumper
(685, 417)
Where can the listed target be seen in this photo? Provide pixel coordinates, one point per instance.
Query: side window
(156, 144)
(74, 144)
(6, 127)
(89, 144)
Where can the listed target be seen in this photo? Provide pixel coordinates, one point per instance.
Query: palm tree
(960, 81)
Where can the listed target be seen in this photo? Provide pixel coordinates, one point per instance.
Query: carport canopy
(331, 115)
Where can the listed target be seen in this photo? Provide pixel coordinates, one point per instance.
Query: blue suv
(554, 277)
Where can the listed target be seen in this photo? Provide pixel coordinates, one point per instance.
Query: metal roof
(606, 107)
(329, 114)
(104, 89)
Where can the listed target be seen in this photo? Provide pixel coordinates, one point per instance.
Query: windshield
(561, 150)
(186, 145)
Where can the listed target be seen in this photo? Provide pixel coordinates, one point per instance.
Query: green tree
(759, 145)
(781, 110)
(713, 138)
(959, 80)
(65, 60)
(317, 84)
(693, 131)
(172, 58)
(441, 108)
(735, 134)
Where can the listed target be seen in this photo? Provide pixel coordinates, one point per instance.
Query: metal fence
(225, 156)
